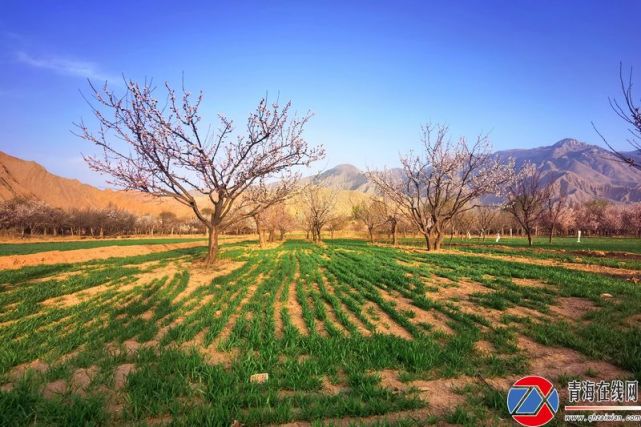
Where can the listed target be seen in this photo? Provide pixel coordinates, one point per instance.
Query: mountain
(29, 179)
(348, 177)
(583, 171)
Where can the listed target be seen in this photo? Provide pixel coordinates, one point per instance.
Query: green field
(344, 330)
(609, 252)
(616, 244)
(32, 248)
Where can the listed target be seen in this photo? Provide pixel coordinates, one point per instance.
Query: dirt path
(11, 262)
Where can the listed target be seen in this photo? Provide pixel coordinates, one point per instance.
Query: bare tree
(631, 114)
(485, 218)
(527, 199)
(392, 216)
(269, 220)
(336, 223)
(461, 222)
(318, 208)
(279, 219)
(259, 220)
(555, 205)
(162, 151)
(442, 181)
(168, 222)
(371, 213)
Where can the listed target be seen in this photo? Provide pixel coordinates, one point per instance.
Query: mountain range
(583, 171)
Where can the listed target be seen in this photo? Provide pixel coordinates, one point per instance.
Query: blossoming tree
(441, 181)
(162, 148)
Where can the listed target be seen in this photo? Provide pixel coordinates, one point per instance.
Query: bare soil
(294, 309)
(121, 373)
(572, 308)
(11, 262)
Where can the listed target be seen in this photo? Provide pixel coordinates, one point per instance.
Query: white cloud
(65, 66)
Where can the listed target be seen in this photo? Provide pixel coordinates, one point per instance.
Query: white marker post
(498, 237)
(578, 238)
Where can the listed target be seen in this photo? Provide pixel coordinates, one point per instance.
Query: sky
(529, 73)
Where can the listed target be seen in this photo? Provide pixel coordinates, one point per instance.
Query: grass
(608, 252)
(36, 247)
(616, 244)
(328, 323)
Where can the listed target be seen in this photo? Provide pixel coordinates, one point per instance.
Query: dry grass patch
(530, 283)
(572, 308)
(440, 394)
(459, 290)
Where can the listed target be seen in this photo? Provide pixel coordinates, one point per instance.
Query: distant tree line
(28, 217)
(554, 217)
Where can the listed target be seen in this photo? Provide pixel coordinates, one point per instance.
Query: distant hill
(29, 179)
(582, 170)
(348, 177)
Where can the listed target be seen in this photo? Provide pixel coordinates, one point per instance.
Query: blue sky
(528, 72)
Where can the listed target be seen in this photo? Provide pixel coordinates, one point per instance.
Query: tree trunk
(551, 234)
(212, 253)
(529, 237)
(434, 239)
(437, 241)
(260, 230)
(394, 233)
(370, 231)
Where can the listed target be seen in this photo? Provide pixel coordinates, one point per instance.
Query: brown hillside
(29, 179)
